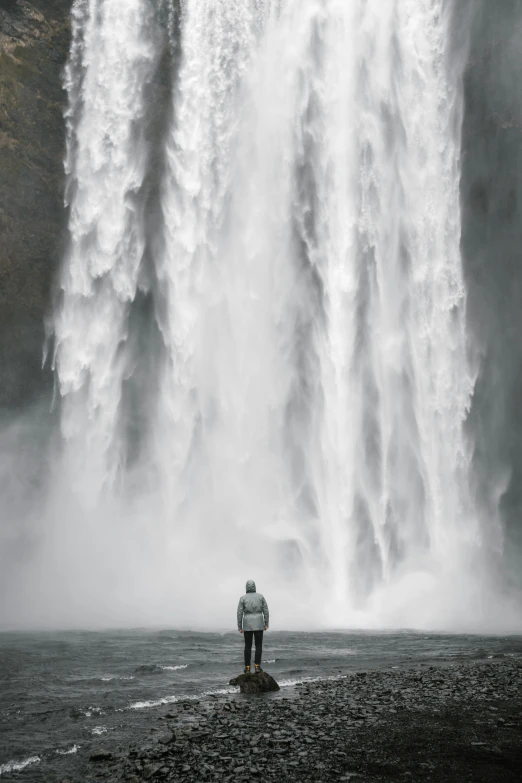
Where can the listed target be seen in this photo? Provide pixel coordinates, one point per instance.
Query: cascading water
(303, 419)
(112, 60)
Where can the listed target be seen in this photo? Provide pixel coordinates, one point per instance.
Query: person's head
(251, 586)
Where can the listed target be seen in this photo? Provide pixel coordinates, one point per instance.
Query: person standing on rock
(252, 620)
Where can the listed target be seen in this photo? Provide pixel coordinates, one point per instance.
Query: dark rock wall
(34, 41)
(491, 191)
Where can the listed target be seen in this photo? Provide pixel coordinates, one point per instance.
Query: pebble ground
(447, 723)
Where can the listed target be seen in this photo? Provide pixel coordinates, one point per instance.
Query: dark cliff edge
(34, 42)
(491, 194)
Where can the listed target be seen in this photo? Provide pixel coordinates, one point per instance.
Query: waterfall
(304, 414)
(112, 60)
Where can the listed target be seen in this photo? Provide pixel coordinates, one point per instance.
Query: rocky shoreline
(439, 723)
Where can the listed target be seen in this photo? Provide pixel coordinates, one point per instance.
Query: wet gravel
(460, 722)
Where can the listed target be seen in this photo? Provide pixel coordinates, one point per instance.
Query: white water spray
(112, 60)
(305, 416)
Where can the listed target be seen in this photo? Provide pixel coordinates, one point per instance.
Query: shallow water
(64, 693)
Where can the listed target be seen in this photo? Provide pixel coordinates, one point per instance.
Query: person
(252, 620)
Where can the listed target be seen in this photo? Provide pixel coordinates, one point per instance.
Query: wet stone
(260, 682)
(165, 739)
(100, 755)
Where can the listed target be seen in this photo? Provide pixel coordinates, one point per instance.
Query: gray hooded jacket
(252, 610)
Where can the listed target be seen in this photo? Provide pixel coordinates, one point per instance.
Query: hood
(251, 586)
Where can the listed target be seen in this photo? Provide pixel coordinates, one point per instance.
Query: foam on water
(18, 766)
(303, 680)
(285, 683)
(69, 752)
(90, 711)
(114, 677)
(175, 668)
(141, 705)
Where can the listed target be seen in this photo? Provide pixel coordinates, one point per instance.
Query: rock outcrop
(491, 197)
(34, 42)
(261, 682)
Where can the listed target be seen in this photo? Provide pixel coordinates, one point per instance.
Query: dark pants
(248, 646)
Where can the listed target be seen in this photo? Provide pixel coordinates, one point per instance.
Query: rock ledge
(261, 682)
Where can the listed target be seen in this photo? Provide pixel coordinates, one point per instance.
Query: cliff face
(34, 41)
(491, 192)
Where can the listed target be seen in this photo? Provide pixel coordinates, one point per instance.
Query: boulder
(166, 739)
(261, 682)
(100, 755)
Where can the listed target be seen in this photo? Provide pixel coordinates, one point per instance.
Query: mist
(284, 337)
